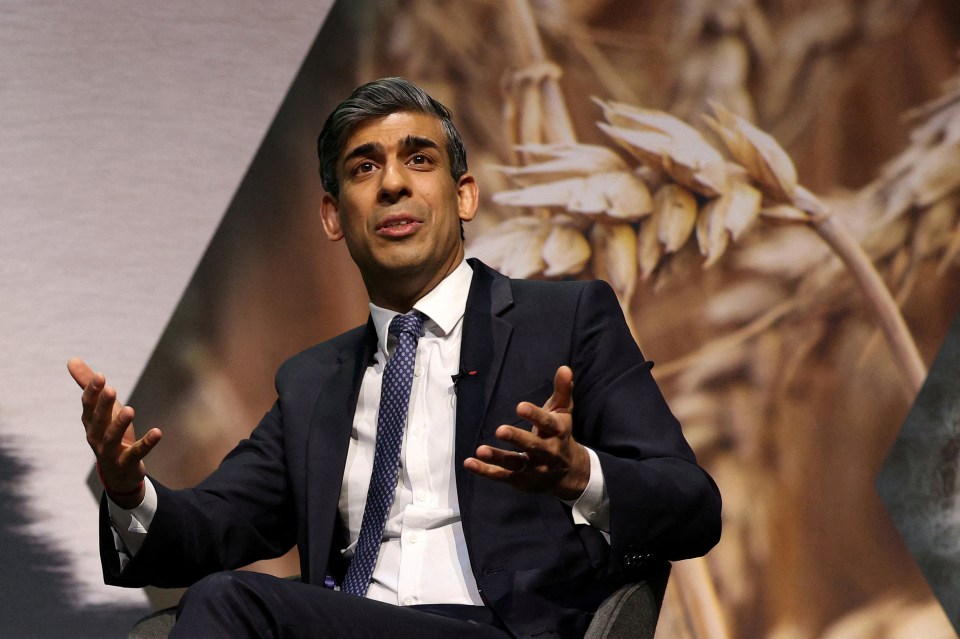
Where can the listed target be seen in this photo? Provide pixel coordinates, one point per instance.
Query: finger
(81, 373)
(91, 396)
(142, 447)
(490, 471)
(110, 422)
(103, 408)
(562, 398)
(534, 445)
(116, 430)
(108, 406)
(101, 416)
(508, 459)
(545, 423)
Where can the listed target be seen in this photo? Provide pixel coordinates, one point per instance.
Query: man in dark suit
(488, 528)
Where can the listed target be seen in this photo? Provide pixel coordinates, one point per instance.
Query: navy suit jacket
(542, 574)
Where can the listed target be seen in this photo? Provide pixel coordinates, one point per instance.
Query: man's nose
(393, 184)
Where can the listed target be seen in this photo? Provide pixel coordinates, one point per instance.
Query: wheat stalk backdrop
(790, 285)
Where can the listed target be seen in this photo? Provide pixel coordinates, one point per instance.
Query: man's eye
(364, 167)
(419, 158)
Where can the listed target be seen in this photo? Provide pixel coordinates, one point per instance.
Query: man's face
(399, 209)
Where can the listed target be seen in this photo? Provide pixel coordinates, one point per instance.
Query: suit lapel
(331, 423)
(486, 336)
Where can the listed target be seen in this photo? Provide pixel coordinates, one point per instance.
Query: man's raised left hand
(546, 458)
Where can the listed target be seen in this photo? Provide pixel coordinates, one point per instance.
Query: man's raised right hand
(109, 427)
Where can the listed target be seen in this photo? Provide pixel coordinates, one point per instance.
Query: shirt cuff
(130, 526)
(592, 508)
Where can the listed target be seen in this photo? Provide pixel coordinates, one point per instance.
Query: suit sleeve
(662, 504)
(239, 514)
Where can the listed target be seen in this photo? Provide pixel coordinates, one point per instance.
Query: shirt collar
(443, 306)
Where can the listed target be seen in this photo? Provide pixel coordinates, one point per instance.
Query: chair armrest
(632, 611)
(154, 626)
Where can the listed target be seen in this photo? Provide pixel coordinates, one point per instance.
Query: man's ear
(330, 216)
(468, 197)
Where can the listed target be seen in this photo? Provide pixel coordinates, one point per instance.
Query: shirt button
(418, 371)
(422, 496)
(408, 601)
(416, 432)
(413, 538)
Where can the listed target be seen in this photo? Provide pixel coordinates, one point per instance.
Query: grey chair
(632, 611)
(629, 613)
(154, 626)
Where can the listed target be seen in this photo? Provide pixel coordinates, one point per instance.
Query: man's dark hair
(377, 99)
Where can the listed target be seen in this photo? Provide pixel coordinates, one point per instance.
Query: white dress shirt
(423, 558)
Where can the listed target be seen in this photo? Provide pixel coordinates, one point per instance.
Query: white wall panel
(124, 130)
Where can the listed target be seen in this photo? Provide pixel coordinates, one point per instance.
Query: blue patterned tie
(394, 400)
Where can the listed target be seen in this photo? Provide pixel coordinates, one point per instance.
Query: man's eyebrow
(407, 143)
(367, 148)
(418, 142)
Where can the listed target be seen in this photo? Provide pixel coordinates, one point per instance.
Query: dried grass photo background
(766, 346)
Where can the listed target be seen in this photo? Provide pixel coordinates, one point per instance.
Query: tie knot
(410, 322)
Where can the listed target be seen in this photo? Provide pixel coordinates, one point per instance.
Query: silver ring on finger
(526, 461)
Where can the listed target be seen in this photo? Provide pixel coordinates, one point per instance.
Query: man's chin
(409, 258)
(395, 263)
